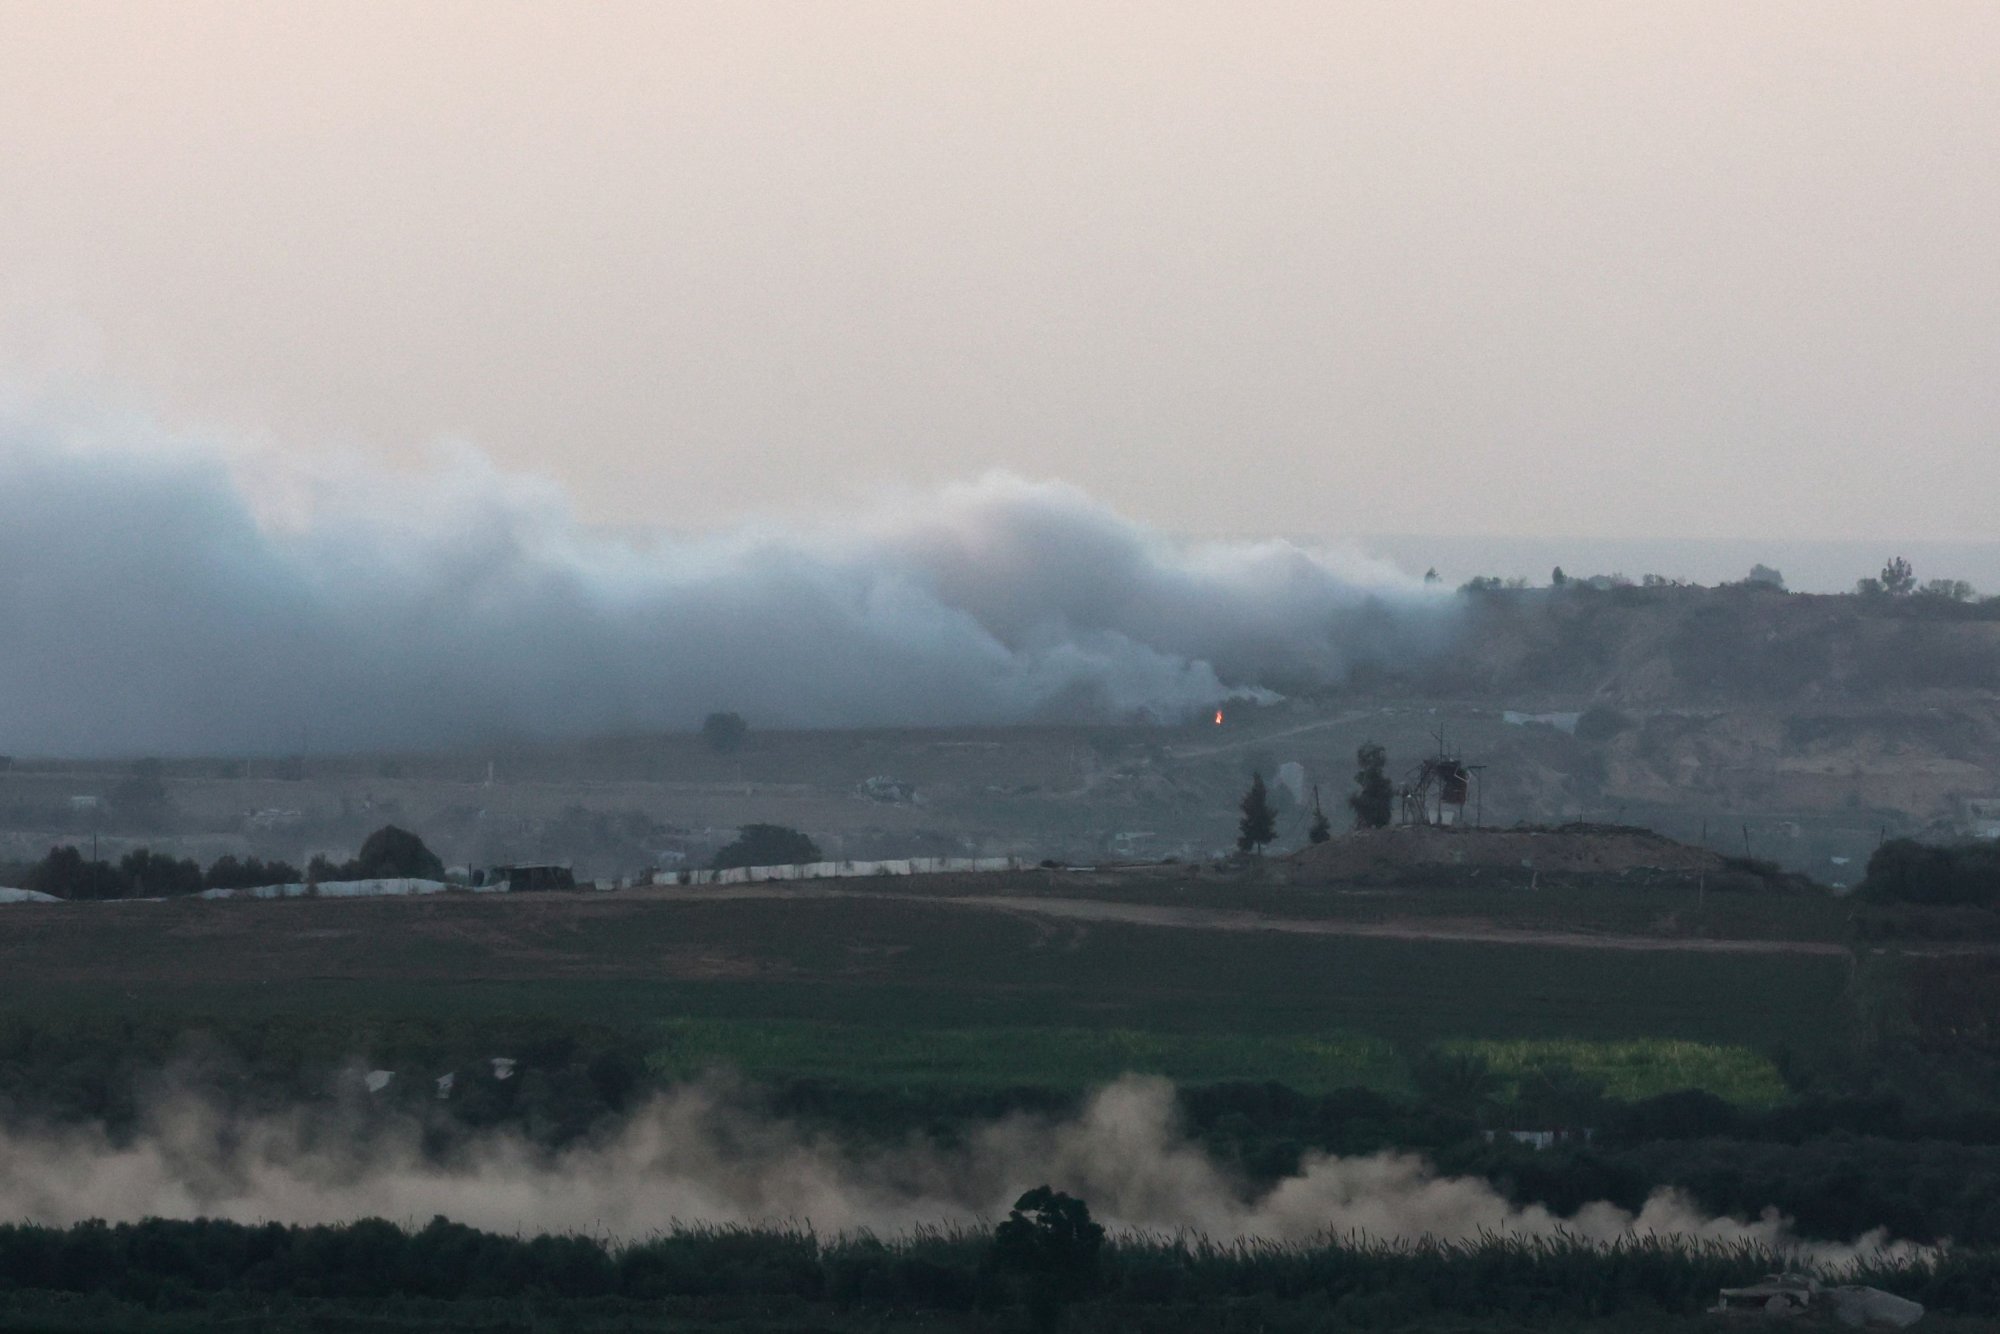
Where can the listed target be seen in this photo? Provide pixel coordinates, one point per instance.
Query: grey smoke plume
(161, 596)
(694, 1156)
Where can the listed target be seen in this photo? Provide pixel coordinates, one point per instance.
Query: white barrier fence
(337, 889)
(735, 875)
(745, 875)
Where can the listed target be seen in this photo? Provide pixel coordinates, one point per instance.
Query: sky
(1699, 271)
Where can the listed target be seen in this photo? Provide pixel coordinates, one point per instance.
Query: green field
(1611, 905)
(1073, 1059)
(899, 964)
(1001, 1057)
(911, 994)
(1644, 1068)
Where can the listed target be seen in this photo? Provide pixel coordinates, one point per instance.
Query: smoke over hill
(164, 597)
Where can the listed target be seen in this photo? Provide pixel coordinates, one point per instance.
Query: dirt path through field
(1223, 919)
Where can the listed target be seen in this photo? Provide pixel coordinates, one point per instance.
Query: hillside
(1600, 854)
(1799, 729)
(1732, 645)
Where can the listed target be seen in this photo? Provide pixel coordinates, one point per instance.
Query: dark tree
(724, 732)
(767, 845)
(1898, 579)
(1903, 870)
(1950, 590)
(1554, 1095)
(1259, 824)
(394, 854)
(149, 874)
(65, 874)
(1321, 829)
(1373, 799)
(1457, 1082)
(1557, 578)
(229, 873)
(1050, 1239)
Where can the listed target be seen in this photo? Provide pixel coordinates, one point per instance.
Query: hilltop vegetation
(1746, 641)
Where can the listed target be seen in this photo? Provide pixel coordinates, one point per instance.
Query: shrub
(767, 845)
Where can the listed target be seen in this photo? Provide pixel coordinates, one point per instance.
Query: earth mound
(1407, 853)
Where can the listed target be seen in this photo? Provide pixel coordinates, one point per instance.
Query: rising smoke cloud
(697, 1156)
(164, 595)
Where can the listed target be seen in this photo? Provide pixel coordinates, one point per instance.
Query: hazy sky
(1716, 270)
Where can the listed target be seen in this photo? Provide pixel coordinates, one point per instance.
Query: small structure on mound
(1436, 791)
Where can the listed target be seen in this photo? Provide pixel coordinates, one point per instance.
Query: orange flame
(1218, 717)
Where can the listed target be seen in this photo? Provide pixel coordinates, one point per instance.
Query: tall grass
(1367, 1284)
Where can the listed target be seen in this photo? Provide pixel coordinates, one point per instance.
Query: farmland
(896, 963)
(1291, 1017)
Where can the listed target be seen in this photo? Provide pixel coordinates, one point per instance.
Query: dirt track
(1219, 919)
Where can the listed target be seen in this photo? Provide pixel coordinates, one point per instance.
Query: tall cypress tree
(1259, 824)
(1373, 798)
(1322, 828)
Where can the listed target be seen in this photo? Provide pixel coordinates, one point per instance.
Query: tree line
(1372, 802)
(1903, 870)
(388, 853)
(1901, 1138)
(1896, 579)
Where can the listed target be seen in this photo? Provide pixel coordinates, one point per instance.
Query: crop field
(1000, 1057)
(946, 991)
(1071, 1059)
(1641, 1068)
(1663, 907)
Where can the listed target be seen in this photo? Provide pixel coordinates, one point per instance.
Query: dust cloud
(696, 1155)
(173, 596)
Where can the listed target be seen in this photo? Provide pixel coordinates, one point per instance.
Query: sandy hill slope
(1414, 853)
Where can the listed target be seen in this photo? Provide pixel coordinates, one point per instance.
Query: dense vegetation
(1901, 1139)
(387, 854)
(65, 872)
(378, 1275)
(767, 845)
(1905, 871)
(1850, 1092)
